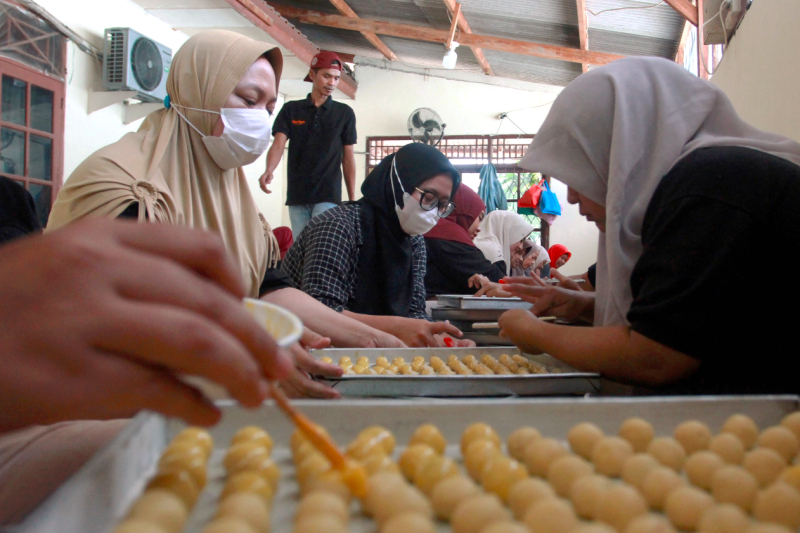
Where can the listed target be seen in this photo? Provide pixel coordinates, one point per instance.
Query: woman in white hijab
(677, 184)
(502, 237)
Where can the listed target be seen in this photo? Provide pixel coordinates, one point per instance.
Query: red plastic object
(448, 341)
(502, 282)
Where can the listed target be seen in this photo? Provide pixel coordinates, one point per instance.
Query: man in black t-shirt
(323, 135)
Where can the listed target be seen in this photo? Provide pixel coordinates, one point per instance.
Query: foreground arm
(412, 331)
(127, 309)
(349, 170)
(616, 352)
(344, 332)
(274, 156)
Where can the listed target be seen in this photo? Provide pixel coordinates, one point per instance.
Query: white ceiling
(194, 16)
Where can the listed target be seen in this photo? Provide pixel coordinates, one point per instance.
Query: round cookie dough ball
(765, 464)
(700, 468)
(733, 484)
(649, 523)
(193, 461)
(778, 503)
(505, 526)
(781, 439)
(500, 472)
(519, 439)
(618, 505)
(693, 436)
(792, 421)
(245, 453)
(541, 453)
(197, 436)
(248, 507)
(768, 528)
(523, 494)
(729, 447)
(610, 454)
(552, 515)
(638, 432)
(582, 438)
(668, 452)
(253, 434)
(412, 457)
(473, 514)
(724, 518)
(658, 484)
(330, 481)
(378, 463)
(743, 427)
(792, 476)
(160, 507)
(135, 525)
(381, 487)
(321, 523)
(685, 507)
(637, 467)
(319, 502)
(478, 453)
(248, 482)
(450, 492)
(565, 470)
(407, 522)
(479, 431)
(430, 435)
(586, 493)
(178, 482)
(593, 527)
(228, 524)
(433, 469)
(380, 436)
(401, 499)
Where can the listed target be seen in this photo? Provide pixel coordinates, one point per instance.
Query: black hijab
(385, 284)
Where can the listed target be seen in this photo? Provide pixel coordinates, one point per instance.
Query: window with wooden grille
(469, 153)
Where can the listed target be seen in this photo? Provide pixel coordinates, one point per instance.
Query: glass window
(12, 151)
(41, 109)
(42, 197)
(41, 158)
(14, 97)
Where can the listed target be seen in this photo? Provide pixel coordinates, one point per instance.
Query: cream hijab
(165, 167)
(612, 135)
(498, 231)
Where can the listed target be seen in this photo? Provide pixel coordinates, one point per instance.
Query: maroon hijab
(456, 226)
(284, 237)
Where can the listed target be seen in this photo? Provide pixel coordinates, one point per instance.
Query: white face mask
(413, 219)
(244, 139)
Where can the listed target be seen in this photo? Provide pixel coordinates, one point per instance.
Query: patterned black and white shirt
(323, 261)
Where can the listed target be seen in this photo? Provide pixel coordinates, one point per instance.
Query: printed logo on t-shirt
(298, 122)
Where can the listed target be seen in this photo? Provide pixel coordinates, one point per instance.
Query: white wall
(760, 71)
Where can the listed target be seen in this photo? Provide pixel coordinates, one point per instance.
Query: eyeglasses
(429, 201)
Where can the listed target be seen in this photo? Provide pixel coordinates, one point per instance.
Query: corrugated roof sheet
(650, 31)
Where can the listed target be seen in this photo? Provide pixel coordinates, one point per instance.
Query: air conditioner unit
(133, 62)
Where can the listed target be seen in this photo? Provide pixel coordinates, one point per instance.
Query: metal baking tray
(460, 301)
(98, 496)
(564, 380)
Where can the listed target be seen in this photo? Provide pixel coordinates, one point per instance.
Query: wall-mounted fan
(425, 126)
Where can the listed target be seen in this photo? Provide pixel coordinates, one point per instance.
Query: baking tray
(460, 301)
(99, 495)
(564, 379)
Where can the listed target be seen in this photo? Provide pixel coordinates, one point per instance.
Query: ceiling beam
(685, 8)
(583, 28)
(419, 33)
(687, 29)
(258, 12)
(464, 26)
(373, 39)
(453, 26)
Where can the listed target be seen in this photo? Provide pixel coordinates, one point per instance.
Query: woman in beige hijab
(183, 166)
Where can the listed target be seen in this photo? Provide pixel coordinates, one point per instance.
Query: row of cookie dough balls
(468, 365)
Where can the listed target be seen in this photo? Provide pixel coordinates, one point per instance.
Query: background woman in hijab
(367, 259)
(452, 256)
(183, 166)
(532, 259)
(677, 184)
(559, 255)
(501, 238)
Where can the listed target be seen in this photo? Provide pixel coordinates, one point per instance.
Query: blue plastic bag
(548, 201)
